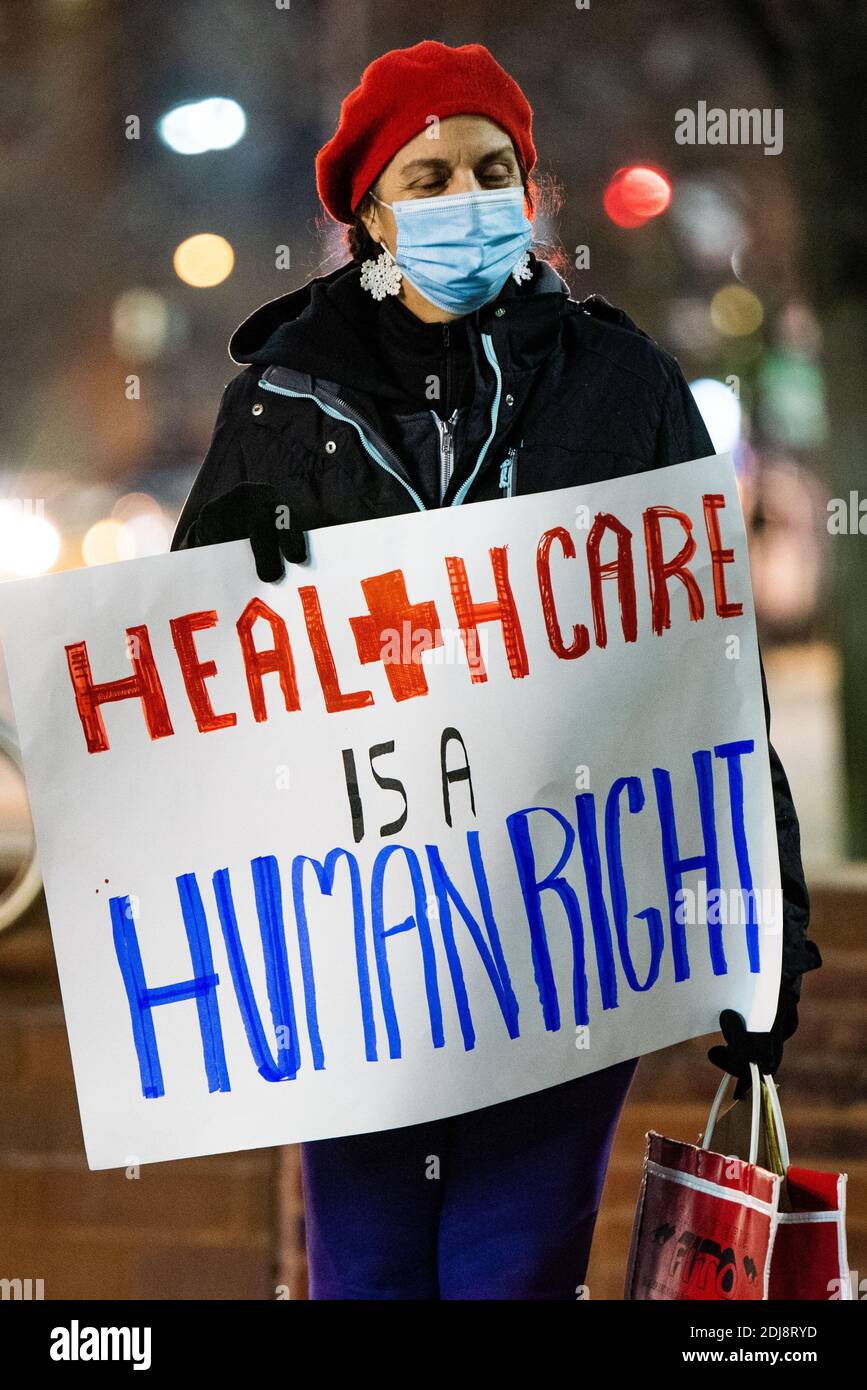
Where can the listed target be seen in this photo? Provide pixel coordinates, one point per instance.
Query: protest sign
(475, 802)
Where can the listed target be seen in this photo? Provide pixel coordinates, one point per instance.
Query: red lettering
(714, 502)
(580, 636)
(659, 570)
(621, 569)
(144, 685)
(277, 658)
(502, 610)
(335, 699)
(196, 672)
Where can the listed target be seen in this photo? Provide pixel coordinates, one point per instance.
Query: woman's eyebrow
(505, 150)
(419, 166)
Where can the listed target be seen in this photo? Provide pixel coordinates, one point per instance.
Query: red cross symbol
(396, 632)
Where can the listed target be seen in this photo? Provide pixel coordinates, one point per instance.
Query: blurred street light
(103, 542)
(708, 220)
(29, 544)
(141, 324)
(217, 123)
(735, 311)
(635, 194)
(146, 528)
(721, 411)
(204, 260)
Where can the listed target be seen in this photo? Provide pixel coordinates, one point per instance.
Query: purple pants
(497, 1204)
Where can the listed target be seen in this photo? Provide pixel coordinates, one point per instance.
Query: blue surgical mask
(459, 249)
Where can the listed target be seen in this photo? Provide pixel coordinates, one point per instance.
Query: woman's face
(469, 153)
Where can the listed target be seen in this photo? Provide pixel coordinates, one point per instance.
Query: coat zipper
(351, 417)
(447, 449)
(488, 345)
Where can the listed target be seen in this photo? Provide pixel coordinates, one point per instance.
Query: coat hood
(327, 328)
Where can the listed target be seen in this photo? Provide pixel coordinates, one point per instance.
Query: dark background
(111, 375)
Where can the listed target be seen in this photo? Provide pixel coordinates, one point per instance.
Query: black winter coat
(564, 392)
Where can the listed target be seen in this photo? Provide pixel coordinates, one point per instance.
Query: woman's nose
(463, 181)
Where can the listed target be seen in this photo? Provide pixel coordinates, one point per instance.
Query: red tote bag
(809, 1262)
(705, 1225)
(714, 1226)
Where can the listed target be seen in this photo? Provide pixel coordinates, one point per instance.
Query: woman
(444, 365)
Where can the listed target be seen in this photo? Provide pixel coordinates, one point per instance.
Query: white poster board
(475, 802)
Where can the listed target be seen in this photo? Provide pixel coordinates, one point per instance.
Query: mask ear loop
(381, 244)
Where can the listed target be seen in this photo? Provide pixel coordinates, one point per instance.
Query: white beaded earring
(523, 270)
(381, 276)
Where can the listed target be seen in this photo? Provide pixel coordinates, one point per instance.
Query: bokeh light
(707, 218)
(132, 504)
(721, 411)
(140, 324)
(147, 534)
(735, 311)
(216, 123)
(204, 260)
(635, 194)
(29, 544)
(104, 542)
(146, 528)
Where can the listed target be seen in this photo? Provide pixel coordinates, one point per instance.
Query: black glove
(249, 511)
(765, 1049)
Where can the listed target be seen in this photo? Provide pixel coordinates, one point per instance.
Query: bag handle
(777, 1118)
(770, 1089)
(754, 1121)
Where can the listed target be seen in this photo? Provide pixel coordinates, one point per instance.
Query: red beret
(391, 104)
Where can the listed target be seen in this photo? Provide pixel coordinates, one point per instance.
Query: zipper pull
(506, 471)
